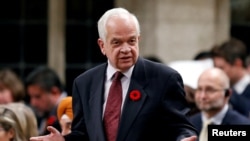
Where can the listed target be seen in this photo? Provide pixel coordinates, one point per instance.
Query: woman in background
(12, 95)
(10, 125)
(11, 87)
(28, 119)
(17, 122)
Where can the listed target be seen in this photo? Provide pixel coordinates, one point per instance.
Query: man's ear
(228, 92)
(101, 45)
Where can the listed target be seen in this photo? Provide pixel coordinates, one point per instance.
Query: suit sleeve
(78, 125)
(174, 101)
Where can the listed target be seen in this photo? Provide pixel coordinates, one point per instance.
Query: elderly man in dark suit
(153, 105)
(212, 98)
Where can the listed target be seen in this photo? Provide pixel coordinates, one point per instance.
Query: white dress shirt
(125, 83)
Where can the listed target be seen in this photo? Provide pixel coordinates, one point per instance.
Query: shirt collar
(217, 119)
(242, 84)
(111, 70)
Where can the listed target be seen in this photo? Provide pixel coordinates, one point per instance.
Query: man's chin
(125, 66)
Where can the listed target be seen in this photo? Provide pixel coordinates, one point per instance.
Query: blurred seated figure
(212, 98)
(45, 90)
(203, 55)
(12, 94)
(230, 56)
(29, 122)
(13, 124)
(9, 126)
(65, 114)
(248, 63)
(11, 87)
(190, 71)
(190, 99)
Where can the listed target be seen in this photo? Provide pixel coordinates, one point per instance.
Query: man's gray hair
(115, 11)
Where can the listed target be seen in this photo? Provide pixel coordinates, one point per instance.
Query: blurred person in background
(45, 91)
(14, 124)
(65, 114)
(10, 128)
(230, 56)
(12, 94)
(29, 122)
(190, 71)
(212, 98)
(203, 55)
(11, 87)
(248, 63)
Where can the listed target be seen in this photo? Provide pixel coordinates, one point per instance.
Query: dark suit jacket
(241, 103)
(158, 115)
(231, 118)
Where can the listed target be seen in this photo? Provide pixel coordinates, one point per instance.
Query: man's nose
(125, 48)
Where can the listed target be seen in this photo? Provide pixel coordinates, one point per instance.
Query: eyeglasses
(208, 91)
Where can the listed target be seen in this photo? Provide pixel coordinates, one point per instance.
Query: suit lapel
(96, 103)
(132, 108)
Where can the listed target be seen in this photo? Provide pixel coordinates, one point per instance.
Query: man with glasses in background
(212, 98)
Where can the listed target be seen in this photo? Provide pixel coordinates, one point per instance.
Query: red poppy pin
(135, 95)
(51, 120)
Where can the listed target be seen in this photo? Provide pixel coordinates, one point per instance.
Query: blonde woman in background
(27, 118)
(18, 122)
(10, 125)
(12, 94)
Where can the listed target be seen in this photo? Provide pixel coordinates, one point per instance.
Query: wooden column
(56, 37)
